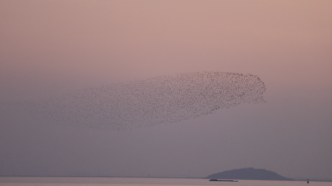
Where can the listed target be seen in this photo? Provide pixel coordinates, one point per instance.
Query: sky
(52, 48)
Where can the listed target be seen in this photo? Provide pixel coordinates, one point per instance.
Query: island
(247, 174)
(223, 180)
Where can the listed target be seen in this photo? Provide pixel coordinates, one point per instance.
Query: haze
(52, 48)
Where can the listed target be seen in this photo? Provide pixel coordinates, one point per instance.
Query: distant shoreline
(25, 176)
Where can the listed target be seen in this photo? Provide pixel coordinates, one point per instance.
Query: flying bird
(147, 102)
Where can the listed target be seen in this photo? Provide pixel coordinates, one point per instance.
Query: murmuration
(152, 101)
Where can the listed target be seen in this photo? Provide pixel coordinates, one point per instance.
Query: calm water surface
(100, 181)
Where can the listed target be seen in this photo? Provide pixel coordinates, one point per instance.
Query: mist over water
(147, 102)
(114, 181)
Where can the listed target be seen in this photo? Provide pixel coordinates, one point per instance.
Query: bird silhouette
(147, 102)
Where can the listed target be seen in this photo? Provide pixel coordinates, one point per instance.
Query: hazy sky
(50, 48)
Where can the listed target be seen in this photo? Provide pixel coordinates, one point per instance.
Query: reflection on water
(99, 181)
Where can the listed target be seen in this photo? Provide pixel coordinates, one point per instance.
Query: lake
(113, 181)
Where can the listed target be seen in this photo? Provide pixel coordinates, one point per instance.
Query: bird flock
(147, 102)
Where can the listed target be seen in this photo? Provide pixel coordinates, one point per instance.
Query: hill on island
(247, 174)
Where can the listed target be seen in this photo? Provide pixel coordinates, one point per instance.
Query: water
(103, 181)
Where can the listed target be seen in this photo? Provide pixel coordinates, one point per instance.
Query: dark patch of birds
(158, 100)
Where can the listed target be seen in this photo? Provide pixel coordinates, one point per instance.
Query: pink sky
(71, 43)
(49, 48)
